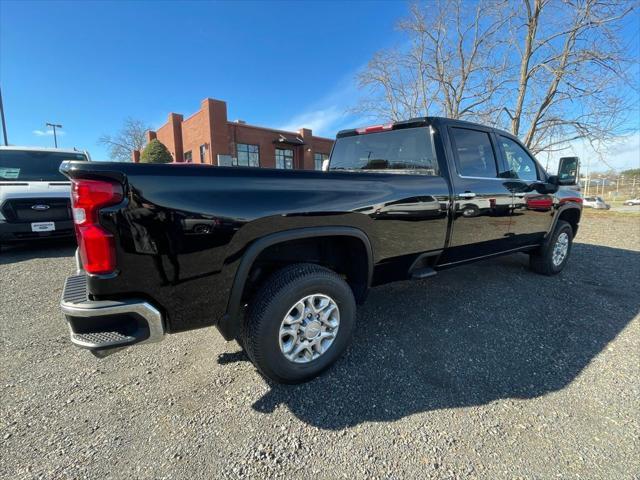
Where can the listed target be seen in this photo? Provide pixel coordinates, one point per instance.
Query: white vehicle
(595, 202)
(632, 201)
(34, 195)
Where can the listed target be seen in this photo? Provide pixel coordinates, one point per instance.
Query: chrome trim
(466, 195)
(79, 268)
(103, 308)
(484, 178)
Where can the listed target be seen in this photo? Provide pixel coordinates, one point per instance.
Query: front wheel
(551, 258)
(299, 323)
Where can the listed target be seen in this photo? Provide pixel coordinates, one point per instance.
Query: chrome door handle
(466, 195)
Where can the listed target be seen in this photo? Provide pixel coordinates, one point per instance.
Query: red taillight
(97, 249)
(375, 128)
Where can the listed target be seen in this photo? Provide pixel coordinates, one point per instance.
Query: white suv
(595, 202)
(34, 195)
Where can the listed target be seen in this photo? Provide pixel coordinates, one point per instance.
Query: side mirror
(568, 170)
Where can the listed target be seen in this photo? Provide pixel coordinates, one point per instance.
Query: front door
(532, 211)
(482, 201)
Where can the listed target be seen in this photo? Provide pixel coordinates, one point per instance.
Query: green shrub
(155, 152)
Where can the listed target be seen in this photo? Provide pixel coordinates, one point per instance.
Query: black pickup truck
(279, 259)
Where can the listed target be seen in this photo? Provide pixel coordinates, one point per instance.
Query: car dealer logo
(40, 207)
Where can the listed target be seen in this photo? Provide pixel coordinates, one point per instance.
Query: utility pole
(4, 124)
(55, 137)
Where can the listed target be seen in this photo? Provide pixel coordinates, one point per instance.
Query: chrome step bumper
(107, 324)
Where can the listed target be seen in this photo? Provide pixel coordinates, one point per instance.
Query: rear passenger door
(482, 201)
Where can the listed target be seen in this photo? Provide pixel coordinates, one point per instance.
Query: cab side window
(519, 162)
(474, 153)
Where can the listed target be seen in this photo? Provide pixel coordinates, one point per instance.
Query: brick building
(208, 136)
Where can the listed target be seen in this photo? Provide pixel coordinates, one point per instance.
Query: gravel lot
(487, 371)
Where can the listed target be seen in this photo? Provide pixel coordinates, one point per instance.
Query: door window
(519, 162)
(474, 153)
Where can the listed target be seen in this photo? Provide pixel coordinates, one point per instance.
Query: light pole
(4, 124)
(55, 137)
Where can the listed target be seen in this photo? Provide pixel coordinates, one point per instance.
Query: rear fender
(230, 322)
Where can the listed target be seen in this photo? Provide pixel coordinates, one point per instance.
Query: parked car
(287, 255)
(595, 202)
(632, 201)
(34, 196)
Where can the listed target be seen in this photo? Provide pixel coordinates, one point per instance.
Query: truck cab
(34, 195)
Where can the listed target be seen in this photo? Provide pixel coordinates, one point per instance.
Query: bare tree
(550, 71)
(452, 66)
(572, 81)
(131, 137)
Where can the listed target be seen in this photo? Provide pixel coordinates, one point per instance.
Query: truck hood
(10, 190)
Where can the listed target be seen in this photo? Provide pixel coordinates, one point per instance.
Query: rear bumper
(100, 325)
(21, 231)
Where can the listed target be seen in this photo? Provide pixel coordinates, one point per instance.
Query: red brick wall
(217, 112)
(239, 133)
(170, 134)
(303, 155)
(209, 126)
(196, 132)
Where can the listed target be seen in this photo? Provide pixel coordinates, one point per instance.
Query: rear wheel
(470, 211)
(552, 257)
(299, 323)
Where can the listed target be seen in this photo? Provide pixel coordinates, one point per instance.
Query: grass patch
(592, 212)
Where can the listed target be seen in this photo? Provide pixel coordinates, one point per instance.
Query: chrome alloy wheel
(560, 249)
(309, 328)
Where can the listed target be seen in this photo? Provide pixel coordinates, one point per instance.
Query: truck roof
(416, 122)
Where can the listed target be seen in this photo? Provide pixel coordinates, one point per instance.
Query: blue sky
(88, 65)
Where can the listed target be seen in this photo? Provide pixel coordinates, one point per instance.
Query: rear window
(474, 153)
(407, 150)
(33, 166)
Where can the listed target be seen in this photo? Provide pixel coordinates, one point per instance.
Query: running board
(424, 272)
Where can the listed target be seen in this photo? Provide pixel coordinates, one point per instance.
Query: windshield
(402, 149)
(33, 166)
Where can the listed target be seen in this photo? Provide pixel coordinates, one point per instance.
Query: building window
(188, 157)
(248, 155)
(319, 158)
(203, 153)
(284, 158)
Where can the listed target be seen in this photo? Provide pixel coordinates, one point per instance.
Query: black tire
(261, 327)
(541, 260)
(470, 211)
